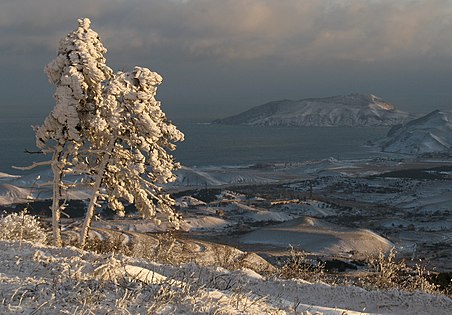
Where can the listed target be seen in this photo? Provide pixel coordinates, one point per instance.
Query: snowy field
(38, 279)
(329, 209)
(358, 206)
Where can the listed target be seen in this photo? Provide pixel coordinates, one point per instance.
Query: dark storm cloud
(287, 48)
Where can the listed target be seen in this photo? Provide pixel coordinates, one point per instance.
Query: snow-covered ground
(330, 209)
(319, 237)
(37, 279)
(407, 202)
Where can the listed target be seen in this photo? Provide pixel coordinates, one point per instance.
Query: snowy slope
(431, 133)
(350, 110)
(37, 279)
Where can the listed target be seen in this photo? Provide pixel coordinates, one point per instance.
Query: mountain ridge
(352, 110)
(431, 133)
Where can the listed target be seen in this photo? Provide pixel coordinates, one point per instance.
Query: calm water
(16, 135)
(220, 145)
(235, 145)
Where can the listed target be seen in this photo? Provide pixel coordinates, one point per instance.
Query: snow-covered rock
(353, 110)
(431, 133)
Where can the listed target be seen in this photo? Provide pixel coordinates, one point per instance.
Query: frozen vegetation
(354, 110)
(40, 279)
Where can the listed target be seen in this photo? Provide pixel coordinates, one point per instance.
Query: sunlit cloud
(247, 29)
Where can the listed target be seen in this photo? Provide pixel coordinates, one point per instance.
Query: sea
(219, 145)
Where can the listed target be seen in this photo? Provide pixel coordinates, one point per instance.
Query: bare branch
(34, 165)
(33, 152)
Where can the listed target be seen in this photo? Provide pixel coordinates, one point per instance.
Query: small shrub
(391, 273)
(22, 226)
(161, 250)
(228, 257)
(114, 244)
(298, 266)
(420, 280)
(388, 270)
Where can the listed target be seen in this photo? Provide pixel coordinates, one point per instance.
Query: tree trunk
(95, 195)
(57, 170)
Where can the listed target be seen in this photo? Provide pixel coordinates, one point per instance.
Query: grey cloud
(298, 31)
(237, 49)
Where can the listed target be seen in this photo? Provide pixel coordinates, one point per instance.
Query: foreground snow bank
(46, 280)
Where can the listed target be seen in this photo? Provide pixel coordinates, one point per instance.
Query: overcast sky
(219, 57)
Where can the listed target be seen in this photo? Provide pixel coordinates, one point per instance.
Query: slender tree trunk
(95, 195)
(57, 170)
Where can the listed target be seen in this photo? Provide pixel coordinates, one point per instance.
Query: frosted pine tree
(130, 139)
(78, 72)
(108, 129)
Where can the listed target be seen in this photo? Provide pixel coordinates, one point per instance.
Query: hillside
(353, 110)
(37, 279)
(158, 273)
(431, 133)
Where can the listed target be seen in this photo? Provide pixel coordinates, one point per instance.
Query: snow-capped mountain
(431, 133)
(353, 110)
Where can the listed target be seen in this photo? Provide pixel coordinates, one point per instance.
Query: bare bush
(420, 281)
(392, 273)
(228, 257)
(298, 266)
(159, 250)
(387, 269)
(114, 244)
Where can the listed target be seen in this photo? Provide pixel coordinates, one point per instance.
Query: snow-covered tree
(109, 129)
(78, 72)
(130, 138)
